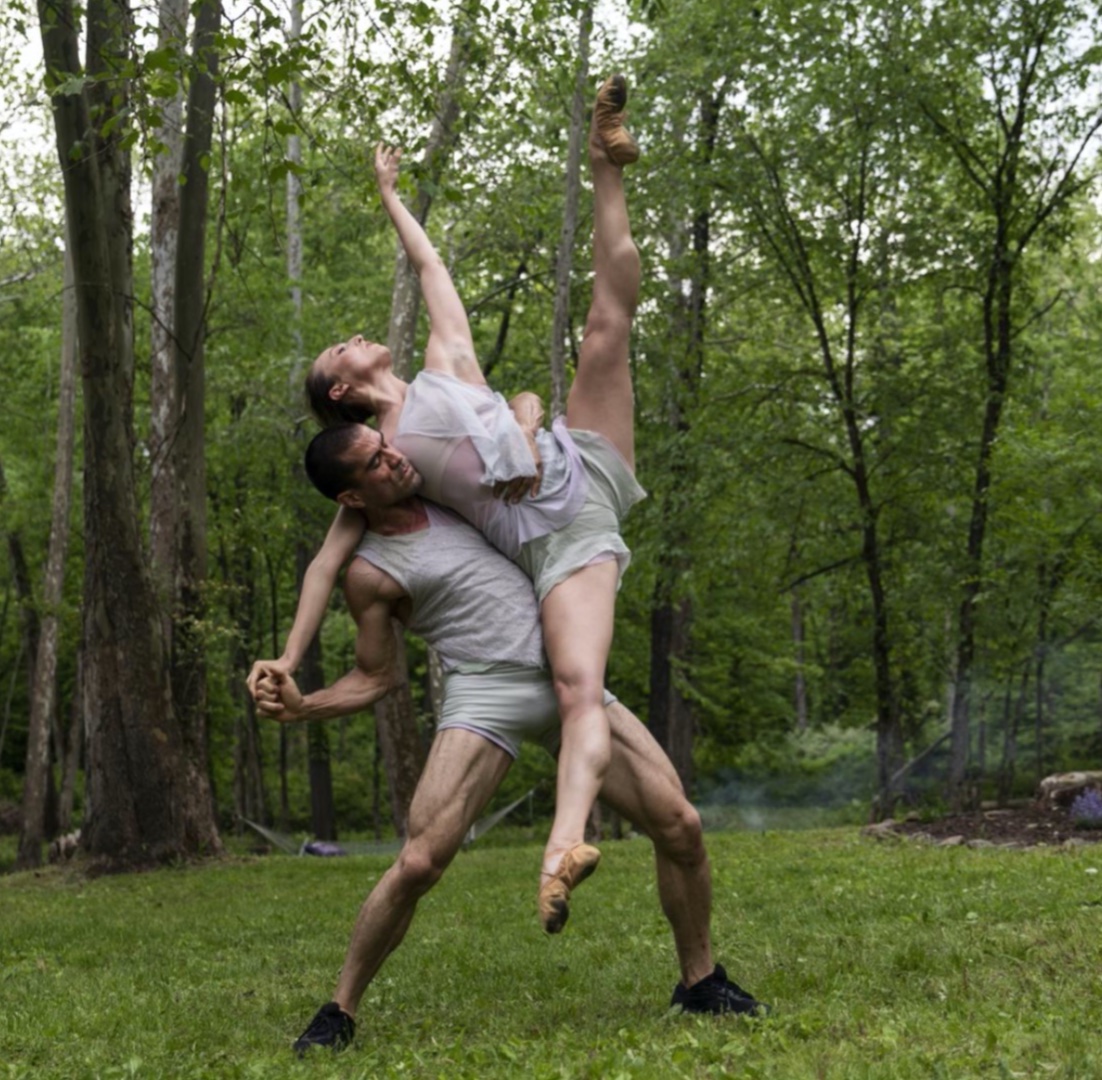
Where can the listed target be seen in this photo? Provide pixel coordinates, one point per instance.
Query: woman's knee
(608, 321)
(578, 691)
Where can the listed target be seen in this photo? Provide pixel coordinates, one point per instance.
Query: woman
(559, 494)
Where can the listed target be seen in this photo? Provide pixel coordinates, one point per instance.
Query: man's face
(381, 477)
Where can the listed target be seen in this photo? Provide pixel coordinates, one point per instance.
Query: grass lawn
(880, 960)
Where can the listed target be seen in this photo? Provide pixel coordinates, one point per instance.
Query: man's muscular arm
(372, 598)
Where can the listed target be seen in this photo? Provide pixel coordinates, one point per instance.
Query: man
(426, 567)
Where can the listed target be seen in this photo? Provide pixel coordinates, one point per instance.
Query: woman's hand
(387, 159)
(512, 491)
(277, 670)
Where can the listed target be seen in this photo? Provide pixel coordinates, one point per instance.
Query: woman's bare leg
(601, 397)
(577, 632)
(577, 614)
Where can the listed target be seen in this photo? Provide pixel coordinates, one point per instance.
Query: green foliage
(901, 961)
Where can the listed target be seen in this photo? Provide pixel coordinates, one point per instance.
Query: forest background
(865, 365)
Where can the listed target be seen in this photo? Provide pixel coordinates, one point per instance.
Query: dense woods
(866, 362)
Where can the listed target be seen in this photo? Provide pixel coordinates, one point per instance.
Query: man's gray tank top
(469, 602)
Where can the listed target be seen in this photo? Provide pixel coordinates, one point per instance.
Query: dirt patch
(1019, 826)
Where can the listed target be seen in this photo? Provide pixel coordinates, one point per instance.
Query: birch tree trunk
(564, 258)
(44, 693)
(163, 230)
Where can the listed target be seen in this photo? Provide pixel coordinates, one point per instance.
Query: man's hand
(279, 698)
(281, 669)
(386, 167)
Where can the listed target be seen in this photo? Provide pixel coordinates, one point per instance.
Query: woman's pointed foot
(608, 122)
(554, 898)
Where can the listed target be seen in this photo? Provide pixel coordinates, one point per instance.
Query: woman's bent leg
(577, 628)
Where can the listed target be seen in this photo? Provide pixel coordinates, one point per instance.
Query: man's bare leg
(643, 786)
(462, 773)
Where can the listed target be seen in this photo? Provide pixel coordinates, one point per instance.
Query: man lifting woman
(551, 501)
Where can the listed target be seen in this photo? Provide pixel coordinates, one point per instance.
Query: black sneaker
(331, 1027)
(716, 994)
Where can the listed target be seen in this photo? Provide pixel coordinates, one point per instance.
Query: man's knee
(678, 833)
(419, 868)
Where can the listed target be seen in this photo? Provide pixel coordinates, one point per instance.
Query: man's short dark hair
(329, 461)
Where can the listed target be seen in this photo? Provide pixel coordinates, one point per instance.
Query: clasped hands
(275, 691)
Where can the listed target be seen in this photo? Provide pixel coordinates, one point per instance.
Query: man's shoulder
(368, 584)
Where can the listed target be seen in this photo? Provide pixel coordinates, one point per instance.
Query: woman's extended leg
(600, 398)
(577, 614)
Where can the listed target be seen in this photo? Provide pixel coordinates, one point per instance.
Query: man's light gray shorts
(505, 703)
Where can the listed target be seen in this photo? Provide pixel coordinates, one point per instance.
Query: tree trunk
(140, 805)
(1010, 737)
(311, 679)
(1016, 209)
(799, 691)
(73, 748)
(670, 716)
(28, 614)
(164, 224)
(491, 361)
(998, 347)
(323, 816)
(44, 692)
(6, 722)
(318, 765)
(564, 259)
(187, 445)
(840, 368)
(294, 194)
(399, 740)
(238, 575)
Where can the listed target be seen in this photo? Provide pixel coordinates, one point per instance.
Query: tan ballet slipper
(554, 897)
(608, 121)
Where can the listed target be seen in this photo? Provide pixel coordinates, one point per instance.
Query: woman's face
(355, 364)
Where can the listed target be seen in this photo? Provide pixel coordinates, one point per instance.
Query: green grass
(881, 961)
